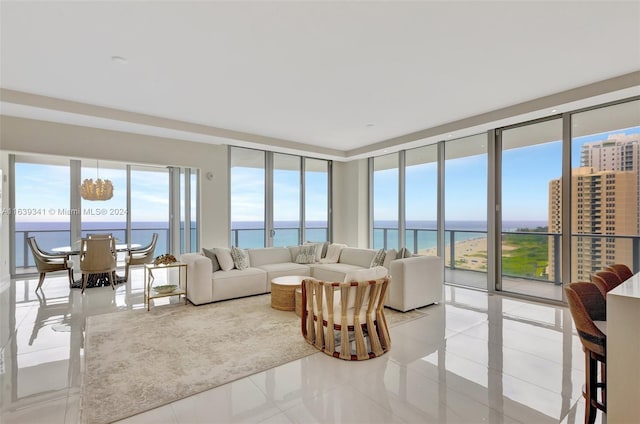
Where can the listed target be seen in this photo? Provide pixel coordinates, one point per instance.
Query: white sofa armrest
(415, 282)
(199, 274)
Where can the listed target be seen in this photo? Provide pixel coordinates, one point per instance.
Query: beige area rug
(139, 360)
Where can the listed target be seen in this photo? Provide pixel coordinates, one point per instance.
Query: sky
(526, 172)
(43, 192)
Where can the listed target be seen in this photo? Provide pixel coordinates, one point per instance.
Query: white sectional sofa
(415, 282)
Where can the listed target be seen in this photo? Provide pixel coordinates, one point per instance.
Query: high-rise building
(604, 202)
(620, 152)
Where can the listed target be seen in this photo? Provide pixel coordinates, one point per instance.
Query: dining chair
(140, 256)
(99, 235)
(606, 281)
(589, 311)
(98, 256)
(48, 262)
(623, 271)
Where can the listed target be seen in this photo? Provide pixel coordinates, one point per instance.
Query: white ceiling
(341, 79)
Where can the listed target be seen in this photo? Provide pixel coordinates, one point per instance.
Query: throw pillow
(211, 254)
(307, 254)
(325, 247)
(378, 259)
(317, 251)
(333, 253)
(224, 258)
(391, 255)
(240, 258)
(404, 253)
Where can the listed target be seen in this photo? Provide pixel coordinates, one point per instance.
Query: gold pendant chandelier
(96, 190)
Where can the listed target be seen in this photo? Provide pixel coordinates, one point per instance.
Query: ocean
(420, 234)
(50, 235)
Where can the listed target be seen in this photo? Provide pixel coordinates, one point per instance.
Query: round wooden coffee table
(283, 291)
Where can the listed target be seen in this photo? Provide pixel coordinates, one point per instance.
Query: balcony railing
(282, 236)
(50, 239)
(526, 264)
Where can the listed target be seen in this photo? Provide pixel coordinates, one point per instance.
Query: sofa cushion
(333, 253)
(332, 272)
(325, 246)
(238, 283)
(354, 256)
(211, 254)
(240, 258)
(224, 258)
(390, 256)
(283, 269)
(269, 255)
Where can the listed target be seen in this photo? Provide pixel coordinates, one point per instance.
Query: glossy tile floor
(476, 358)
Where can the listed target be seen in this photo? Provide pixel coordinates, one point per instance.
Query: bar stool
(589, 311)
(606, 281)
(623, 271)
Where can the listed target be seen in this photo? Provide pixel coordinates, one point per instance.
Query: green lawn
(529, 257)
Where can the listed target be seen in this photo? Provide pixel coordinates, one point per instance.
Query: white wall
(351, 203)
(19, 135)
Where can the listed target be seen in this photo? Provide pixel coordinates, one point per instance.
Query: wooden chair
(47, 262)
(606, 281)
(98, 256)
(346, 320)
(140, 256)
(589, 311)
(623, 271)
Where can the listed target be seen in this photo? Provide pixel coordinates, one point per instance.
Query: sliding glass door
(605, 195)
(286, 200)
(465, 225)
(531, 225)
(150, 206)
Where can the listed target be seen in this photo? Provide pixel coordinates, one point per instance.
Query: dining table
(94, 280)
(74, 249)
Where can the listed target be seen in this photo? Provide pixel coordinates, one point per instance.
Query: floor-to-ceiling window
(316, 199)
(605, 214)
(41, 208)
(465, 205)
(421, 199)
(385, 202)
(531, 227)
(247, 197)
(267, 191)
(194, 241)
(286, 200)
(46, 192)
(105, 216)
(150, 206)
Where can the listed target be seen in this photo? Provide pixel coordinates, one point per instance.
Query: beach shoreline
(470, 254)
